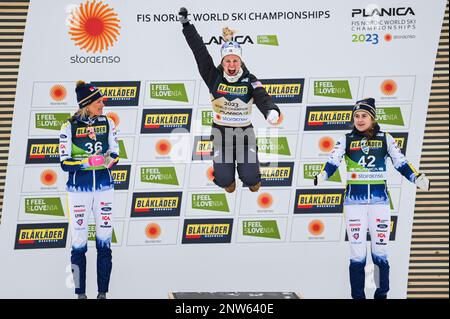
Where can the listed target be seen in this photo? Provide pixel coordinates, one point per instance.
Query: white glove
(273, 117)
(422, 182)
(320, 178)
(109, 161)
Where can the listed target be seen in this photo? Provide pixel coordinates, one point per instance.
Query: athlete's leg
(80, 207)
(379, 227)
(356, 224)
(103, 213)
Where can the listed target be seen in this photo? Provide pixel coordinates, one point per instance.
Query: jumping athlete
(233, 90)
(88, 149)
(366, 203)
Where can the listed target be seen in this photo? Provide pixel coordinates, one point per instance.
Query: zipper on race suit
(93, 180)
(368, 193)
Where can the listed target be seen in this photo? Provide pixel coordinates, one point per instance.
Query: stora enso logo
(94, 28)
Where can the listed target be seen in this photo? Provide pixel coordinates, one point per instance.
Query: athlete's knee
(223, 180)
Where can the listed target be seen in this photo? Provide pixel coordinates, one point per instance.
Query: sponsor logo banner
(310, 170)
(156, 204)
(207, 231)
(265, 202)
(203, 148)
(169, 92)
(121, 176)
(267, 40)
(273, 145)
(323, 201)
(210, 202)
(333, 88)
(317, 228)
(390, 116)
(165, 121)
(50, 121)
(261, 228)
(159, 175)
(395, 88)
(154, 232)
(50, 206)
(124, 93)
(337, 117)
(284, 90)
(277, 174)
(42, 151)
(37, 236)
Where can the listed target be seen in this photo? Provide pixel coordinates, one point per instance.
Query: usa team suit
(90, 191)
(366, 202)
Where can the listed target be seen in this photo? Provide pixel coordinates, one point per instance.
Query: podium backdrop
(174, 229)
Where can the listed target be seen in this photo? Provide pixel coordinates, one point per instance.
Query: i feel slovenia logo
(94, 26)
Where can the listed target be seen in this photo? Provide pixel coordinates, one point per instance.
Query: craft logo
(265, 200)
(402, 140)
(94, 28)
(37, 236)
(58, 92)
(165, 121)
(159, 175)
(83, 131)
(50, 121)
(163, 147)
(48, 177)
(210, 202)
(316, 227)
(326, 144)
(125, 93)
(261, 228)
(156, 204)
(333, 88)
(50, 206)
(320, 118)
(203, 148)
(92, 234)
(285, 90)
(207, 231)
(232, 90)
(276, 174)
(392, 231)
(42, 151)
(121, 176)
(373, 144)
(273, 145)
(169, 92)
(207, 118)
(390, 116)
(388, 87)
(311, 170)
(319, 201)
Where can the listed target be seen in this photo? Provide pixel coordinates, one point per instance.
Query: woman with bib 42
(88, 149)
(366, 203)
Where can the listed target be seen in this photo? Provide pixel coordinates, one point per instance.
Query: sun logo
(58, 92)
(389, 87)
(94, 26)
(265, 200)
(326, 144)
(48, 177)
(163, 147)
(210, 173)
(152, 231)
(316, 227)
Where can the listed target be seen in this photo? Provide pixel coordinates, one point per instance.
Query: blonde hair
(83, 112)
